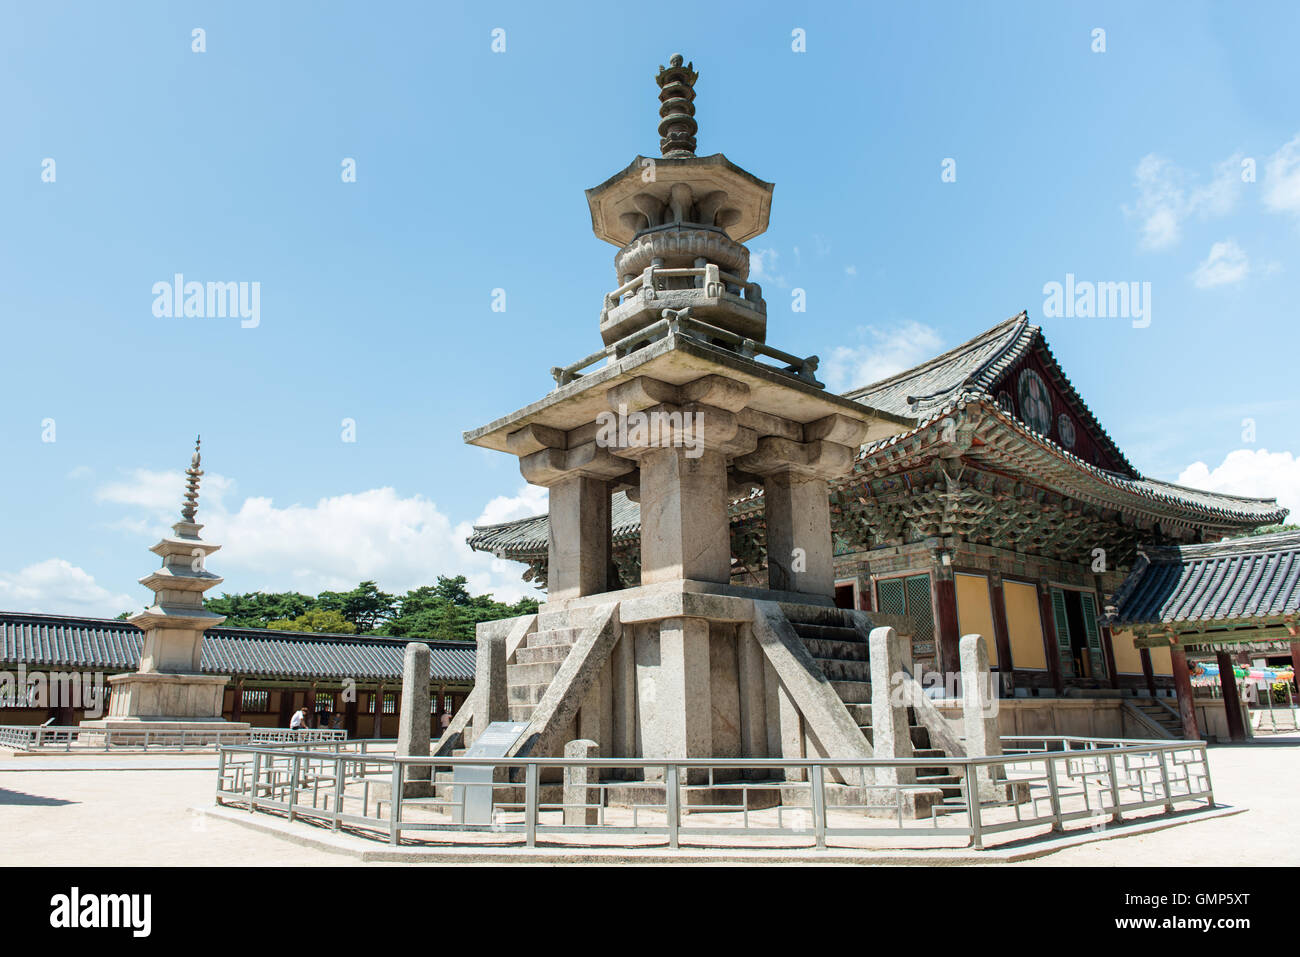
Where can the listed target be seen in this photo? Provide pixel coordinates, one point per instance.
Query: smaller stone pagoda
(167, 691)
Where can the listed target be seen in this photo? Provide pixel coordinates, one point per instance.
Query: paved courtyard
(86, 811)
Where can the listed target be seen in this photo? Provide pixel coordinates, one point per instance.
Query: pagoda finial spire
(191, 504)
(677, 126)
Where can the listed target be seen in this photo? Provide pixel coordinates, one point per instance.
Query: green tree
(365, 606)
(319, 620)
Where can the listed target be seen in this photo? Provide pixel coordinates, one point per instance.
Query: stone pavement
(89, 817)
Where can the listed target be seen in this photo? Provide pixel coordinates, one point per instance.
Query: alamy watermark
(1083, 299)
(211, 300)
(655, 429)
(57, 689)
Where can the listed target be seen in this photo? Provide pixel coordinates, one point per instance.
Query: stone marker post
(413, 723)
(891, 733)
(490, 675)
(979, 712)
(578, 785)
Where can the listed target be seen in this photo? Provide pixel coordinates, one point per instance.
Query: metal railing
(1037, 783)
(77, 738)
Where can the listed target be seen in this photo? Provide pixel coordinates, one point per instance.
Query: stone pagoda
(686, 408)
(167, 691)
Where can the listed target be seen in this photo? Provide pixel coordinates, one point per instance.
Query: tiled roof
(972, 366)
(49, 641)
(1241, 578)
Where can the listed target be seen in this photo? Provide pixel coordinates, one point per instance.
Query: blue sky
(375, 295)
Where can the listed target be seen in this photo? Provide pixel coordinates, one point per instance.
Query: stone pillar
(684, 527)
(378, 730)
(623, 676)
(799, 548)
(979, 711)
(684, 706)
(490, 676)
(578, 553)
(753, 703)
(579, 791)
(891, 733)
(413, 726)
(1183, 685)
(1231, 700)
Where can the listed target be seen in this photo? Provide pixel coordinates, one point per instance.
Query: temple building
(1001, 507)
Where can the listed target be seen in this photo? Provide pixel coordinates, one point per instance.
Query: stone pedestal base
(158, 703)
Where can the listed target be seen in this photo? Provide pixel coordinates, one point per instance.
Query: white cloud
(1168, 196)
(339, 540)
(1258, 473)
(762, 267)
(81, 472)
(1282, 179)
(850, 270)
(1227, 263)
(531, 500)
(886, 352)
(57, 587)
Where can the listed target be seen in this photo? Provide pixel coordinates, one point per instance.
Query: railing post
(221, 773)
(252, 791)
(530, 804)
(395, 805)
(1053, 792)
(672, 801)
(973, 807)
(1209, 786)
(1115, 815)
(293, 783)
(1164, 780)
(339, 784)
(816, 783)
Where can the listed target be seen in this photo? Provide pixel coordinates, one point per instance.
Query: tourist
(299, 720)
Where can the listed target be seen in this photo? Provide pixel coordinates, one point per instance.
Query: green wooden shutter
(919, 609)
(889, 594)
(1062, 632)
(1094, 635)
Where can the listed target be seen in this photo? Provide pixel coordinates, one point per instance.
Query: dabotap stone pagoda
(685, 408)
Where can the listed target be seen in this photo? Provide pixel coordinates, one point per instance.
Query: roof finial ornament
(677, 124)
(192, 484)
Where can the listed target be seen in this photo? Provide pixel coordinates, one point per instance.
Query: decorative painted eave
(1072, 474)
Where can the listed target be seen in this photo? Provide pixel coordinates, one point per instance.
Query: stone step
(920, 736)
(521, 712)
(949, 784)
(852, 692)
(828, 633)
(526, 694)
(538, 673)
(827, 648)
(553, 636)
(825, 616)
(543, 653)
(861, 713)
(840, 669)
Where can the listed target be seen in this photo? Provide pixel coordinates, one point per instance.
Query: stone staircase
(1158, 713)
(841, 651)
(537, 661)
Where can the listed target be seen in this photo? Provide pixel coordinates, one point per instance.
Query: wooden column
(1183, 685)
(1048, 618)
(377, 731)
(1231, 701)
(1148, 672)
(1002, 636)
(944, 592)
(237, 706)
(1108, 653)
